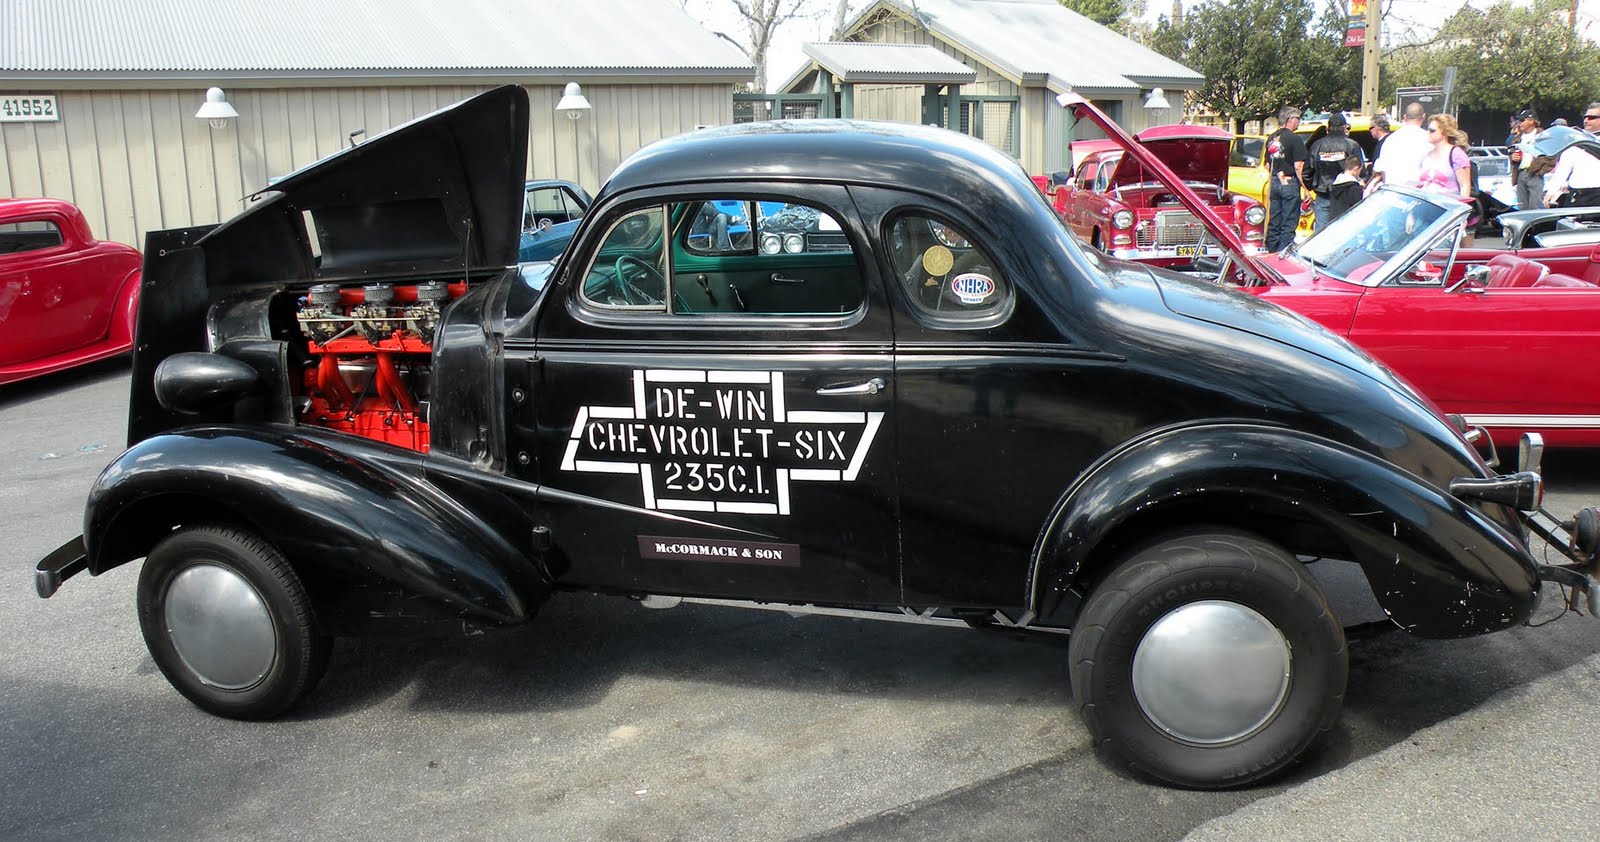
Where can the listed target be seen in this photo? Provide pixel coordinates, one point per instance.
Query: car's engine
(369, 353)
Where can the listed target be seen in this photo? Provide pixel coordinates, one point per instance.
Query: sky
(1405, 20)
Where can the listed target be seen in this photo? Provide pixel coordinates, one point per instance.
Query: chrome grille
(1172, 228)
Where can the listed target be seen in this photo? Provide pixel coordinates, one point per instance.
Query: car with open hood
(1114, 204)
(351, 411)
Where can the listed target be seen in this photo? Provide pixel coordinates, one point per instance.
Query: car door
(53, 292)
(713, 419)
(1488, 352)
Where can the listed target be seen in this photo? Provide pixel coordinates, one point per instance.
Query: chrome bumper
(66, 561)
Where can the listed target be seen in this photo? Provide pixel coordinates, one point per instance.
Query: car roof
(895, 155)
(1184, 131)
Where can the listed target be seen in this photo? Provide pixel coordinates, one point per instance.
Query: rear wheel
(229, 623)
(1208, 660)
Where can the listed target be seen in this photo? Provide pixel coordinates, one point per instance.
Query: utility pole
(1369, 61)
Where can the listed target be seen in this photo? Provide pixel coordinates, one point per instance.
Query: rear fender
(1437, 566)
(327, 510)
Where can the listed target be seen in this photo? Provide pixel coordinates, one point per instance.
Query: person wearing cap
(1328, 155)
(1401, 161)
(1530, 185)
(1286, 152)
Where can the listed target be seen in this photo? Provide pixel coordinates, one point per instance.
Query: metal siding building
(128, 77)
(1024, 52)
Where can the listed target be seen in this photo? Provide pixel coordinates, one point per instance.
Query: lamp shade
(216, 106)
(1157, 99)
(573, 102)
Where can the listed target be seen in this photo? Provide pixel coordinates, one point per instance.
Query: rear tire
(229, 623)
(1208, 660)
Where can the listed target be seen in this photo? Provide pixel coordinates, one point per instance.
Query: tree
(1257, 57)
(1507, 57)
(762, 18)
(1103, 12)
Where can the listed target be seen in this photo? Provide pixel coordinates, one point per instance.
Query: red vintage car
(1505, 339)
(1116, 204)
(65, 298)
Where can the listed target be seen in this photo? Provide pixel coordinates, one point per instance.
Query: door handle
(778, 278)
(871, 387)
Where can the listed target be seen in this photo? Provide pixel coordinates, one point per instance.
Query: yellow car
(1247, 163)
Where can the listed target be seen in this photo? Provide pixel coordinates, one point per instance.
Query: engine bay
(368, 358)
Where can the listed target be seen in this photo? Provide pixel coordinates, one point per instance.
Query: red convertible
(1505, 339)
(1116, 204)
(65, 298)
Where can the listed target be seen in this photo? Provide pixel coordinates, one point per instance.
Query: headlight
(794, 243)
(1255, 215)
(771, 244)
(1122, 219)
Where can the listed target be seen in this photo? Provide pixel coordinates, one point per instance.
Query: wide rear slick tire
(1208, 660)
(229, 623)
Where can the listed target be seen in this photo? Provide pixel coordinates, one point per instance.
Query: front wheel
(1208, 660)
(229, 623)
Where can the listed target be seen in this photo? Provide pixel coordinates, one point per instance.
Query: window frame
(829, 198)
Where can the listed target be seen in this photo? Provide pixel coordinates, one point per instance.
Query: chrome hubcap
(220, 627)
(1211, 672)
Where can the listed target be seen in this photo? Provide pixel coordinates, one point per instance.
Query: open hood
(440, 194)
(1081, 109)
(1194, 153)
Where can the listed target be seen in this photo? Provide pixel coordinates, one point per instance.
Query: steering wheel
(628, 287)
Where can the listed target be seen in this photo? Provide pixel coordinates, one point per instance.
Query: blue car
(551, 210)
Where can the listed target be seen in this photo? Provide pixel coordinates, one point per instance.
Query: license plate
(1191, 251)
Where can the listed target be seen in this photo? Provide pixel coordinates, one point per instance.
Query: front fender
(1439, 567)
(324, 508)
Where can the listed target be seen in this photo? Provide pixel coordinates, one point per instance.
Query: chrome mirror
(1475, 279)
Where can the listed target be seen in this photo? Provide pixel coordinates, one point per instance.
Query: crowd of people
(1428, 152)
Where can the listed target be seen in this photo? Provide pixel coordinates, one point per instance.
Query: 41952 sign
(15, 108)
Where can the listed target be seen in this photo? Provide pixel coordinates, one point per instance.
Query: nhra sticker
(972, 288)
(718, 441)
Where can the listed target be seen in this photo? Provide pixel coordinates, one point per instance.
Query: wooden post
(1369, 61)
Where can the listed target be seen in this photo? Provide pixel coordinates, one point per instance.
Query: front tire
(229, 623)
(1208, 660)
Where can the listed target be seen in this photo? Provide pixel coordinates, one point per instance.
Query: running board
(925, 617)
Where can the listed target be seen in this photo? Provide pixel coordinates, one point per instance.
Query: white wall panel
(138, 160)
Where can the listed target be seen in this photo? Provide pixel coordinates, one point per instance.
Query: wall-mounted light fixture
(1157, 100)
(573, 102)
(216, 109)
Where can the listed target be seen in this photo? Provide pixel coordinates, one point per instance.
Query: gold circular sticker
(938, 260)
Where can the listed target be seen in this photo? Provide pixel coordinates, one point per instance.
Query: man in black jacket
(1327, 163)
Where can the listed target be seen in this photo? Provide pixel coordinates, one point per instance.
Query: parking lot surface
(605, 719)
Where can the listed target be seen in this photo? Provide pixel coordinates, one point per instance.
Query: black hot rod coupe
(350, 410)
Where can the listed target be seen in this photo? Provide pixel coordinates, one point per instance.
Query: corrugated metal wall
(137, 161)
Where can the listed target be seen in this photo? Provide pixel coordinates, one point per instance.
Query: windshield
(1353, 247)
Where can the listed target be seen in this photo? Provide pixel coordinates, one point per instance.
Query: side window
(1102, 179)
(1086, 175)
(795, 260)
(1246, 152)
(629, 270)
(17, 237)
(946, 275)
(545, 206)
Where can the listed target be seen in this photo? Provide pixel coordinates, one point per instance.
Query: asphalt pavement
(603, 719)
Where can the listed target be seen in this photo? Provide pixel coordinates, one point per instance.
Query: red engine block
(371, 354)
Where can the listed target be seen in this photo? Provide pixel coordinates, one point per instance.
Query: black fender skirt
(353, 510)
(1437, 566)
